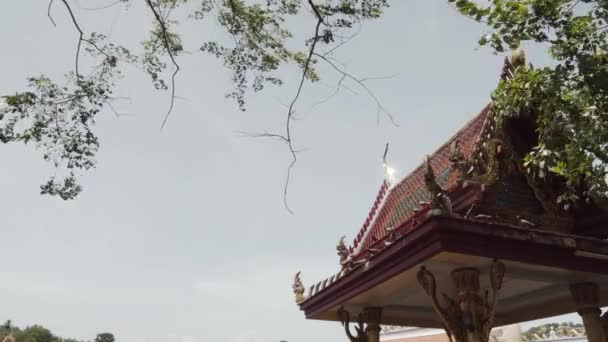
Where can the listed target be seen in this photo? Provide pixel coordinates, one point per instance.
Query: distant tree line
(38, 333)
(553, 330)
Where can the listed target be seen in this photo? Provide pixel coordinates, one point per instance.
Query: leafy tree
(553, 330)
(58, 115)
(38, 333)
(7, 325)
(104, 337)
(35, 333)
(568, 100)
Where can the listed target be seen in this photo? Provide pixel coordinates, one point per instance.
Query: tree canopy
(58, 114)
(553, 330)
(566, 99)
(36, 333)
(104, 337)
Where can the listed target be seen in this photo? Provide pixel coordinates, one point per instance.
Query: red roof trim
(459, 235)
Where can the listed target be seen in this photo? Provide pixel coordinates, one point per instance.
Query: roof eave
(438, 234)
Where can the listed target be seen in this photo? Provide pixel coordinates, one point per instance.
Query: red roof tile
(394, 206)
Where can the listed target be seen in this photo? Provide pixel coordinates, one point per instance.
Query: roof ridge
(371, 217)
(446, 144)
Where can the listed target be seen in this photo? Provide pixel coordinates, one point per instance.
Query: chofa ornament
(439, 201)
(298, 288)
(343, 252)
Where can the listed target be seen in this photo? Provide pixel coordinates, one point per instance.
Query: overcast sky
(181, 235)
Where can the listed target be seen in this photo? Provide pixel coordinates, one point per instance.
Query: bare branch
(345, 41)
(290, 110)
(80, 38)
(361, 82)
(384, 154)
(101, 7)
(48, 13)
(573, 5)
(165, 37)
(264, 135)
(116, 113)
(81, 34)
(332, 94)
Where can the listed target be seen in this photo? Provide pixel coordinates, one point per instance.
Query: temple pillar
(587, 299)
(469, 316)
(605, 323)
(373, 318)
(466, 285)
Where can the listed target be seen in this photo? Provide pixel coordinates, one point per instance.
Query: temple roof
(396, 205)
(470, 204)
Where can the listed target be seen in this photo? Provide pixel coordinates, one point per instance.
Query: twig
(290, 111)
(361, 82)
(574, 5)
(99, 8)
(165, 37)
(80, 39)
(384, 155)
(332, 94)
(343, 42)
(48, 13)
(264, 135)
(113, 110)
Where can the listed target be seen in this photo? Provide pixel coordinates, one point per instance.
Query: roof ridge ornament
(343, 253)
(439, 201)
(298, 288)
(360, 333)
(458, 160)
(389, 172)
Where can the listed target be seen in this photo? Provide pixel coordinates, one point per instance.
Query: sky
(181, 235)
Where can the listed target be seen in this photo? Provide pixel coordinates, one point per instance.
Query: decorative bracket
(360, 334)
(469, 316)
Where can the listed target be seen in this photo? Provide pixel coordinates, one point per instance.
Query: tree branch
(99, 8)
(80, 38)
(290, 110)
(48, 13)
(361, 83)
(165, 38)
